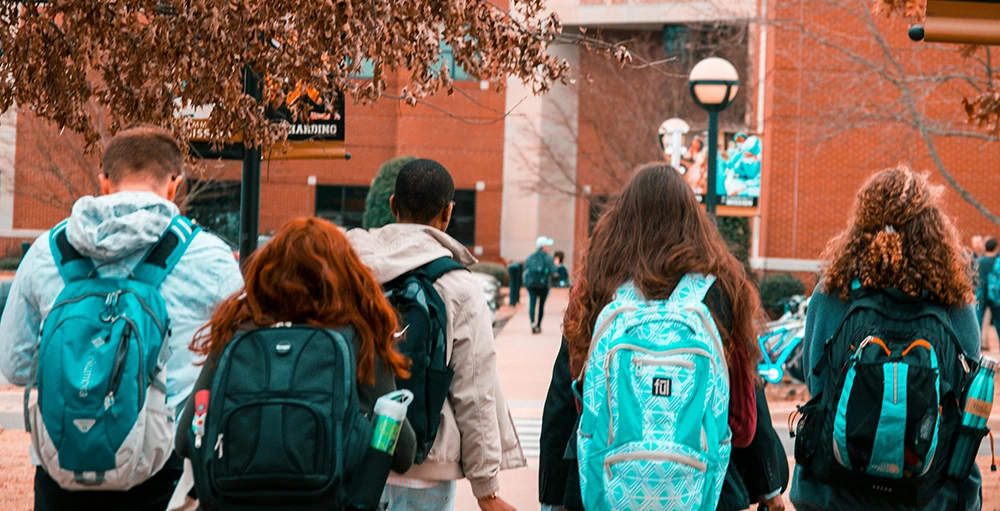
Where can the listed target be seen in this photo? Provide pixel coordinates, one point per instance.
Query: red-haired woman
(308, 274)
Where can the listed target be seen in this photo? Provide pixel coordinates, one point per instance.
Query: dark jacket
(808, 493)
(385, 383)
(759, 469)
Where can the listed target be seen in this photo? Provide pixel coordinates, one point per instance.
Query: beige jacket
(476, 438)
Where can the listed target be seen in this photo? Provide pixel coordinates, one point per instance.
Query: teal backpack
(654, 432)
(95, 403)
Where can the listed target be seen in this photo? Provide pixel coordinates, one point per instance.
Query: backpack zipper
(218, 445)
(895, 382)
(121, 357)
(654, 456)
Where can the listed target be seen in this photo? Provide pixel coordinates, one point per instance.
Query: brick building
(834, 91)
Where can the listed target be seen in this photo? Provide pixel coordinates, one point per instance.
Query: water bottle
(368, 483)
(391, 412)
(976, 413)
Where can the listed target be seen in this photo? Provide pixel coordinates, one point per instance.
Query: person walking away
(561, 277)
(121, 286)
(476, 437)
(538, 270)
(668, 381)
(308, 301)
(988, 287)
(891, 337)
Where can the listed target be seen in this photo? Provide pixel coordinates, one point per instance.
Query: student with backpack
(891, 339)
(661, 330)
(463, 427)
(121, 287)
(988, 285)
(295, 363)
(538, 271)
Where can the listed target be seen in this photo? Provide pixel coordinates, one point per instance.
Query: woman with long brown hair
(900, 249)
(308, 274)
(654, 235)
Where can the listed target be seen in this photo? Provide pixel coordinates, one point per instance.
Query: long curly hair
(898, 237)
(654, 234)
(309, 274)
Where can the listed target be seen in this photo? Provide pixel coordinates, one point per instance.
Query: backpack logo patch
(84, 425)
(661, 387)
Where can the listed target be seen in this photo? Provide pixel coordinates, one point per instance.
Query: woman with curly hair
(898, 244)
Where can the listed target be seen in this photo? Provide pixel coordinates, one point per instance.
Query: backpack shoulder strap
(692, 288)
(166, 253)
(71, 264)
(439, 267)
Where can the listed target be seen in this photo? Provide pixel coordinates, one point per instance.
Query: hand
(776, 503)
(496, 504)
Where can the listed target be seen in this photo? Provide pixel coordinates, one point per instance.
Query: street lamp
(674, 129)
(714, 83)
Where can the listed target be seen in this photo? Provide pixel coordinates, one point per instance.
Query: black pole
(713, 162)
(250, 187)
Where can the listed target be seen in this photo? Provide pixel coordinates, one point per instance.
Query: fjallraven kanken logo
(95, 403)
(654, 434)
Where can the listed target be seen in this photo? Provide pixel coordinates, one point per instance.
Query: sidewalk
(524, 363)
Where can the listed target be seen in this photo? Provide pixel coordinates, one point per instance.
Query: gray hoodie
(477, 437)
(116, 231)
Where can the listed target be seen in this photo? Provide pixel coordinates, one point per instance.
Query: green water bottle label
(386, 433)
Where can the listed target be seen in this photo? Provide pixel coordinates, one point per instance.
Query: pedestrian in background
(538, 271)
(988, 288)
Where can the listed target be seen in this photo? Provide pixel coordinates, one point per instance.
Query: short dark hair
(560, 255)
(142, 150)
(991, 244)
(423, 189)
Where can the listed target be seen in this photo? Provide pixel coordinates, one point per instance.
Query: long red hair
(309, 274)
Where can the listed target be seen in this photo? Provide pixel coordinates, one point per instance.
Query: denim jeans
(438, 498)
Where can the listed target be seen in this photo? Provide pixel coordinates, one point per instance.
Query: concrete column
(540, 153)
(8, 146)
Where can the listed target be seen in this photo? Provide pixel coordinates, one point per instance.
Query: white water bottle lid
(394, 404)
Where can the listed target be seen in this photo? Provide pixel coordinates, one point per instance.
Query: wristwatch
(492, 496)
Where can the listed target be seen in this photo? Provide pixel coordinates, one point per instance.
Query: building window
(676, 40)
(342, 205)
(463, 218)
(447, 60)
(215, 206)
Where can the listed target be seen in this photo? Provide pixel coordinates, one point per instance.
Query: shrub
(736, 231)
(497, 270)
(775, 287)
(377, 210)
(9, 263)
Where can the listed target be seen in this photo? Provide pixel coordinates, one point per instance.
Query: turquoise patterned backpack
(654, 434)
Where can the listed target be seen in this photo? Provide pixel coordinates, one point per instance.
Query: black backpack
(283, 429)
(537, 270)
(423, 322)
(886, 418)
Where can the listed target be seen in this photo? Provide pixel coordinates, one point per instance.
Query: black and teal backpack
(423, 339)
(885, 419)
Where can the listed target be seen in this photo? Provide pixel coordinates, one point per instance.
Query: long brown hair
(654, 234)
(897, 237)
(309, 274)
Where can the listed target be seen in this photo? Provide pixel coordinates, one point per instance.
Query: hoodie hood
(395, 249)
(115, 226)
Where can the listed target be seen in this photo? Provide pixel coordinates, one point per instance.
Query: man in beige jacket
(476, 438)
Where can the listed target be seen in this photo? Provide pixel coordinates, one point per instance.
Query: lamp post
(714, 83)
(674, 128)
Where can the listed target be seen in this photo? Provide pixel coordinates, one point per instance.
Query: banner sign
(738, 171)
(321, 137)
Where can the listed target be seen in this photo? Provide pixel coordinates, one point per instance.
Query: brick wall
(466, 138)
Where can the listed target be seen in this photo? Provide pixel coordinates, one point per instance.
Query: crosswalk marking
(529, 430)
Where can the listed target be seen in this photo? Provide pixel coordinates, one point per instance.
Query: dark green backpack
(423, 323)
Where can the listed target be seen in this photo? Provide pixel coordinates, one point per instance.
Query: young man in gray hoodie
(142, 170)
(476, 438)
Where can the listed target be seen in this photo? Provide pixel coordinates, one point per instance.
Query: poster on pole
(321, 136)
(738, 176)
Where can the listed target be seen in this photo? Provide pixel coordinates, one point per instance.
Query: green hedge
(497, 270)
(736, 231)
(775, 287)
(9, 263)
(377, 211)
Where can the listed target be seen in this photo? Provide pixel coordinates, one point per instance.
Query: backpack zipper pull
(218, 445)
